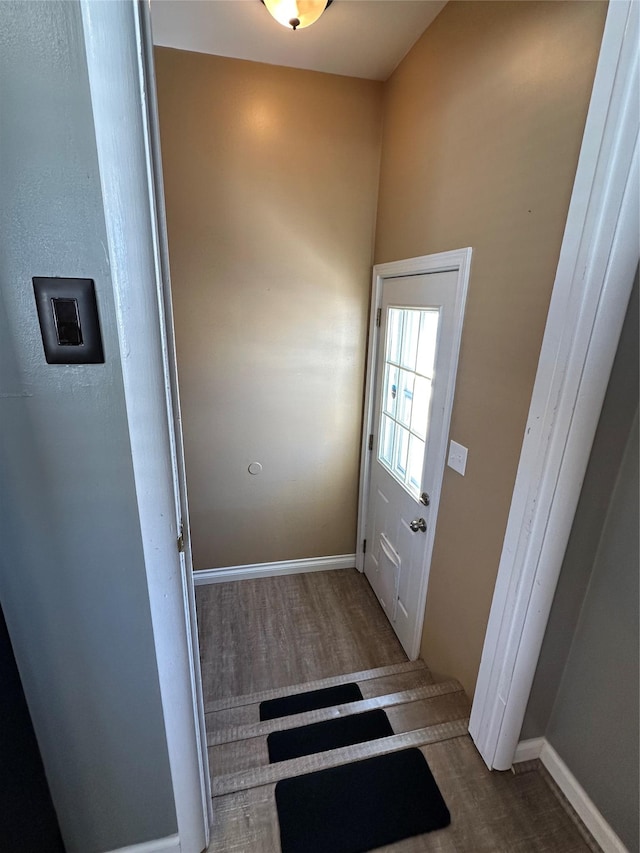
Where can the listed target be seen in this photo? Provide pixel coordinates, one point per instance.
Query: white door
(420, 323)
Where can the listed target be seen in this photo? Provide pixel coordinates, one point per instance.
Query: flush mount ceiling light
(296, 14)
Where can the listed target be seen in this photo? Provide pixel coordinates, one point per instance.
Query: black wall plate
(68, 315)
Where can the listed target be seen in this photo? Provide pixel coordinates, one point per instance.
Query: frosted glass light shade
(296, 14)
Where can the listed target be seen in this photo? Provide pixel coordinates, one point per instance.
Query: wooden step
(405, 712)
(386, 700)
(378, 682)
(490, 812)
(362, 675)
(270, 773)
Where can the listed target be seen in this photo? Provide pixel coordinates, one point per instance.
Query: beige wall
(271, 177)
(483, 125)
(271, 182)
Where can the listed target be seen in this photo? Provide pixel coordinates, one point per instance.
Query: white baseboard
(528, 750)
(270, 570)
(578, 798)
(170, 844)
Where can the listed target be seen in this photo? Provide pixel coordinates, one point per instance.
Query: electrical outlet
(457, 457)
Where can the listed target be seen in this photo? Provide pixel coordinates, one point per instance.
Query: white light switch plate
(457, 457)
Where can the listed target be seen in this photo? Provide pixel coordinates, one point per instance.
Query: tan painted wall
(483, 125)
(271, 182)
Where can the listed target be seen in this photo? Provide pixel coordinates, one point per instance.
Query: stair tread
(332, 681)
(270, 773)
(252, 730)
(250, 714)
(411, 712)
(244, 715)
(490, 812)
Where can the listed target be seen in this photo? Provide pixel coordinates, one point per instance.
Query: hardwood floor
(257, 637)
(272, 632)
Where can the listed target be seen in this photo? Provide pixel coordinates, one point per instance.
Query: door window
(410, 354)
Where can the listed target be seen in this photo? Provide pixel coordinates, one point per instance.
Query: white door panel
(420, 327)
(389, 564)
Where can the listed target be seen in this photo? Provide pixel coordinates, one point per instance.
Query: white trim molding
(161, 246)
(528, 750)
(115, 50)
(272, 570)
(458, 261)
(170, 844)
(575, 794)
(597, 265)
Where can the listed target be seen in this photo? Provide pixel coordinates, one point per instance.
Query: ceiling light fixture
(296, 14)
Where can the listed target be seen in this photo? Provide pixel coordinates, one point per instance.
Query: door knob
(418, 524)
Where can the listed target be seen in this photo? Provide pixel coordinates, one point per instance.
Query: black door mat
(358, 807)
(298, 703)
(330, 734)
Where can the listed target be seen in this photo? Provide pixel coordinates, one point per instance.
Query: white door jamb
(115, 35)
(161, 246)
(598, 260)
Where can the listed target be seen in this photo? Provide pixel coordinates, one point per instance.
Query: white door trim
(116, 47)
(161, 247)
(458, 261)
(595, 273)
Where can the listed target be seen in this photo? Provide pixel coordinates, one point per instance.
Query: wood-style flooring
(272, 632)
(258, 637)
(491, 812)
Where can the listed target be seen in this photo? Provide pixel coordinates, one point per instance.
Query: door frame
(596, 268)
(122, 88)
(458, 261)
(116, 52)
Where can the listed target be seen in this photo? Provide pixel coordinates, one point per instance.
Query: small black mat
(329, 734)
(361, 806)
(298, 703)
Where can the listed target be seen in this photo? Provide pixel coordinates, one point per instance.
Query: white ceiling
(357, 38)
